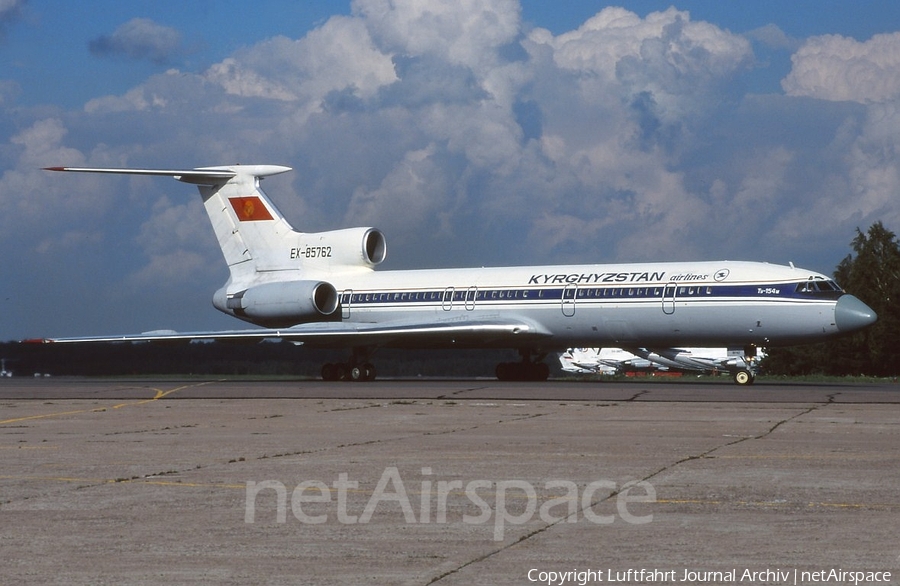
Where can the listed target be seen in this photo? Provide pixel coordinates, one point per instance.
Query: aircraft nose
(851, 314)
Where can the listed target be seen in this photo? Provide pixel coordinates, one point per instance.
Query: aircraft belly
(702, 325)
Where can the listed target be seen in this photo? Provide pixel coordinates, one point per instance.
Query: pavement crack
(460, 392)
(737, 441)
(787, 420)
(617, 491)
(529, 535)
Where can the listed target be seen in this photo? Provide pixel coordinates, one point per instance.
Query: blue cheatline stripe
(531, 296)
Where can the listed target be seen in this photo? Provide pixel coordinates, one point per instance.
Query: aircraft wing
(450, 333)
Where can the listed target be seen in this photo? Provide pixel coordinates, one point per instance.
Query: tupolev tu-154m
(321, 290)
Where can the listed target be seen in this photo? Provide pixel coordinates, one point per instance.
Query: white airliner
(618, 360)
(320, 290)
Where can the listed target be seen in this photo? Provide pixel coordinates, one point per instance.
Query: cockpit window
(819, 286)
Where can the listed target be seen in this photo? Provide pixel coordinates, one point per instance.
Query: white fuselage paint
(649, 303)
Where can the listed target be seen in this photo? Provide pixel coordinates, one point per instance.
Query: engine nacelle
(281, 304)
(352, 247)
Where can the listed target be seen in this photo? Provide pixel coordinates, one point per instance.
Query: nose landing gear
(744, 377)
(747, 375)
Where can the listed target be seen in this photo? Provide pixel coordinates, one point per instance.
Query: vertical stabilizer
(249, 228)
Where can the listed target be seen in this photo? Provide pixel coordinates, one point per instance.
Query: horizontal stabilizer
(198, 176)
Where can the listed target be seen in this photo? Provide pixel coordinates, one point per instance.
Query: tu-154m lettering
(322, 290)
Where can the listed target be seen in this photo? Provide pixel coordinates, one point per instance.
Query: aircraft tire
(332, 372)
(743, 377)
(362, 373)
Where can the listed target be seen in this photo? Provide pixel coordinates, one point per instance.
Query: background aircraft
(617, 360)
(610, 361)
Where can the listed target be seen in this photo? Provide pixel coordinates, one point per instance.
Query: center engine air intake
(283, 304)
(374, 246)
(348, 248)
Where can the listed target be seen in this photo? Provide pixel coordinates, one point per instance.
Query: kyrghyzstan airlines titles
(645, 277)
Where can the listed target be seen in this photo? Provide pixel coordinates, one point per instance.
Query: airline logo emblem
(249, 209)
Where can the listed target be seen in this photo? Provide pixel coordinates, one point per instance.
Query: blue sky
(507, 132)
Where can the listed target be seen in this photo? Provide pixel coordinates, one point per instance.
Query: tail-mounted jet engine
(281, 304)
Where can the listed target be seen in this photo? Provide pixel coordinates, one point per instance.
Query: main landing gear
(358, 369)
(529, 369)
(348, 371)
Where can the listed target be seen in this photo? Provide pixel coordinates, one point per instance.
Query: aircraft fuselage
(718, 303)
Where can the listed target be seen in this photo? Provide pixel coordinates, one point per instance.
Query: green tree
(872, 273)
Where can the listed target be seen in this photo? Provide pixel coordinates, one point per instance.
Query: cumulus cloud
(667, 55)
(337, 57)
(32, 195)
(842, 69)
(467, 32)
(139, 39)
(773, 37)
(833, 67)
(874, 176)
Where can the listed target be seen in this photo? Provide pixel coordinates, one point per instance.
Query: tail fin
(249, 227)
(247, 224)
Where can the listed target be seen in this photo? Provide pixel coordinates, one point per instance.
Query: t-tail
(278, 276)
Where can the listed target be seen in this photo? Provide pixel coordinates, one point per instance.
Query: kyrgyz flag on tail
(248, 209)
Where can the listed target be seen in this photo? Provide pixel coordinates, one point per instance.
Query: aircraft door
(346, 296)
(568, 299)
(447, 300)
(470, 298)
(668, 299)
